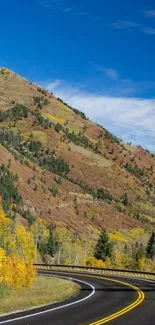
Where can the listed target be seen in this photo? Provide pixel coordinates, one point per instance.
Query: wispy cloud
(52, 85)
(44, 4)
(148, 30)
(47, 3)
(61, 5)
(149, 13)
(68, 9)
(82, 13)
(111, 73)
(132, 119)
(124, 24)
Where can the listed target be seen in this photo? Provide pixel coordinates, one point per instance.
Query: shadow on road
(119, 289)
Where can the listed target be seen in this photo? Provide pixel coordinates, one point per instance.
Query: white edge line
(56, 308)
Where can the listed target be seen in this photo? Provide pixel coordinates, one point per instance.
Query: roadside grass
(44, 291)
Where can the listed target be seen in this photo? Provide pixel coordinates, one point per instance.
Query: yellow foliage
(19, 279)
(14, 273)
(68, 261)
(25, 247)
(2, 259)
(109, 263)
(30, 274)
(53, 118)
(16, 270)
(3, 218)
(99, 263)
(117, 236)
(7, 272)
(93, 262)
(2, 255)
(5, 71)
(90, 261)
(141, 265)
(37, 135)
(4, 229)
(117, 258)
(126, 261)
(136, 232)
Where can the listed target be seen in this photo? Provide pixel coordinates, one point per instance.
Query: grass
(44, 291)
(94, 159)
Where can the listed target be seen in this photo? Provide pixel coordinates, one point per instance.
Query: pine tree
(150, 249)
(125, 199)
(52, 245)
(104, 247)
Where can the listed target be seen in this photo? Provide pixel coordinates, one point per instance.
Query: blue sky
(97, 55)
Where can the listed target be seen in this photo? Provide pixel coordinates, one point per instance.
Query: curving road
(113, 300)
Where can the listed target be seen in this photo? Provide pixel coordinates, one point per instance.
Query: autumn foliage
(17, 253)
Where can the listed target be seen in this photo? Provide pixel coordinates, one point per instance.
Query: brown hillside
(103, 183)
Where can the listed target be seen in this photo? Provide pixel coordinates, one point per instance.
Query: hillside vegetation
(60, 167)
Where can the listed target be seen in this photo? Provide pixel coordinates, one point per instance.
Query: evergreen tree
(52, 245)
(59, 181)
(104, 247)
(150, 249)
(125, 199)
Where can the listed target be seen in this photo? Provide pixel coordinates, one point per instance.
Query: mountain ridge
(71, 171)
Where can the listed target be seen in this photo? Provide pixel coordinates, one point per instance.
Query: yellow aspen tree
(2, 259)
(64, 238)
(8, 272)
(30, 274)
(25, 248)
(99, 263)
(19, 274)
(4, 229)
(141, 264)
(17, 270)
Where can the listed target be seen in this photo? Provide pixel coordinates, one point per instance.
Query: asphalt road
(101, 300)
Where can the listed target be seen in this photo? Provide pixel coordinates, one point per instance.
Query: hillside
(67, 170)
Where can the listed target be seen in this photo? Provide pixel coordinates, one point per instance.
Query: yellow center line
(136, 303)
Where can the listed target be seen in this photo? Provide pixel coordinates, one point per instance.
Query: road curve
(117, 301)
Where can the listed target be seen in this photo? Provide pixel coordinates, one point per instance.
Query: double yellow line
(123, 311)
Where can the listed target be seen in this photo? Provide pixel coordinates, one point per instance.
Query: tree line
(105, 247)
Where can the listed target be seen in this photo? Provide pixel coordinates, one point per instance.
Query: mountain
(58, 165)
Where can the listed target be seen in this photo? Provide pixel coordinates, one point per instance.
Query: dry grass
(94, 159)
(45, 291)
(132, 148)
